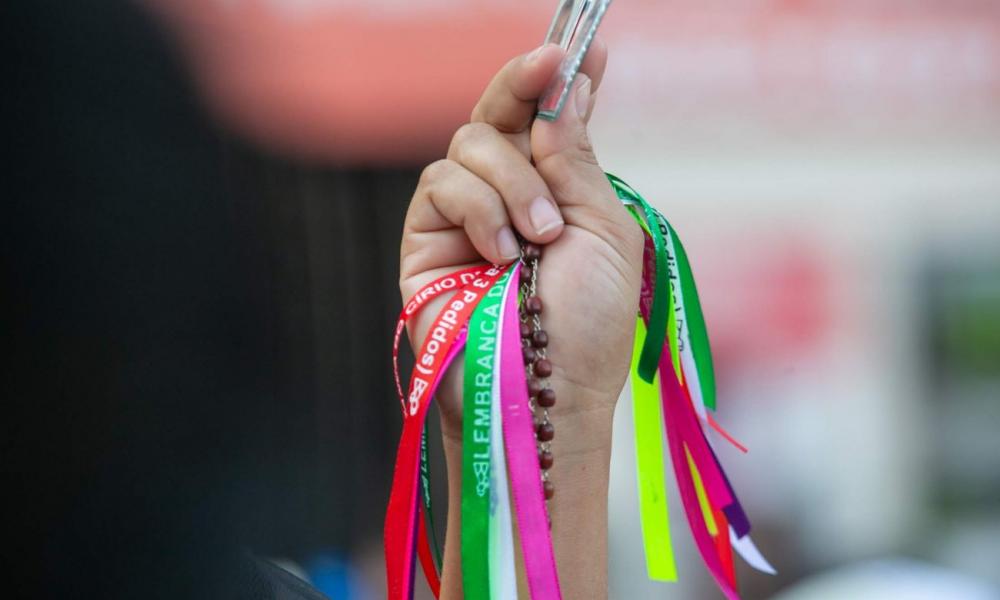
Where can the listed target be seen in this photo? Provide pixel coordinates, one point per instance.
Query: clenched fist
(506, 172)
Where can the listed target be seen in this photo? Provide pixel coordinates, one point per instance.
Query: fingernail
(507, 244)
(583, 96)
(544, 217)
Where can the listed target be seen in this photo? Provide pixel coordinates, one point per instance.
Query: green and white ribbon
(503, 572)
(477, 426)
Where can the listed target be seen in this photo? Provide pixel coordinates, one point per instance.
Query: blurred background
(834, 169)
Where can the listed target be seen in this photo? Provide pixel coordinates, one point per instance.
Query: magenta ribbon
(677, 407)
(676, 404)
(453, 352)
(670, 389)
(458, 346)
(522, 459)
(682, 427)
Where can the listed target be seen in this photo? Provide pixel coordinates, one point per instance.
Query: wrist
(580, 473)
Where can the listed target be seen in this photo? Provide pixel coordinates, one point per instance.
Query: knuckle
(481, 112)
(510, 179)
(482, 211)
(466, 134)
(488, 201)
(469, 135)
(435, 171)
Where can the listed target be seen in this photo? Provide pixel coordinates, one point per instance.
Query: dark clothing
(132, 328)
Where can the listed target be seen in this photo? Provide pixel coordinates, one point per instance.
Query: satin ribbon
(445, 283)
(424, 553)
(647, 418)
(522, 460)
(400, 524)
(698, 333)
(748, 551)
(672, 356)
(694, 354)
(689, 496)
(503, 571)
(428, 548)
(660, 311)
(480, 367)
(681, 349)
(709, 501)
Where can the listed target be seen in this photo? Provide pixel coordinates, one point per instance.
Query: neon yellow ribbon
(653, 512)
(699, 488)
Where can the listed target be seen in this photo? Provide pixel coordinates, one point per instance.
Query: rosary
(495, 313)
(535, 340)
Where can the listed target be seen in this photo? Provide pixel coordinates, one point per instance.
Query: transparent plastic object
(573, 27)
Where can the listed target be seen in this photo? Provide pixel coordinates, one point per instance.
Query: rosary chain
(529, 289)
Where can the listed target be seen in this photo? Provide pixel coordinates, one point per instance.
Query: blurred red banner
(386, 81)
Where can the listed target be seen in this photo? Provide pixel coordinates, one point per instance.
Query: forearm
(582, 451)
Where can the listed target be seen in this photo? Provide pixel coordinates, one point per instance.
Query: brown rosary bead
(534, 340)
(543, 368)
(547, 398)
(545, 459)
(533, 305)
(539, 339)
(530, 355)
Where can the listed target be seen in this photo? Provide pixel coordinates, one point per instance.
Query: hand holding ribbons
(506, 171)
(610, 260)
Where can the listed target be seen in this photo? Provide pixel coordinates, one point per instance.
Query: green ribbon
(697, 330)
(673, 280)
(676, 264)
(480, 351)
(647, 409)
(690, 311)
(676, 307)
(661, 311)
(425, 493)
(669, 313)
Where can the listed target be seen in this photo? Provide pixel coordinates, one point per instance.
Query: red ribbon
(414, 305)
(401, 517)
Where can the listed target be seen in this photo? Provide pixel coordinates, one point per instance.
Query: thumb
(565, 159)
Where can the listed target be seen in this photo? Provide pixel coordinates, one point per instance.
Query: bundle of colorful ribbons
(673, 391)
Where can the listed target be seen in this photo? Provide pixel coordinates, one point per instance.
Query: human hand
(506, 171)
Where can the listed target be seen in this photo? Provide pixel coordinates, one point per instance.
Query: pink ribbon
(522, 459)
(703, 540)
(682, 427)
(677, 408)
